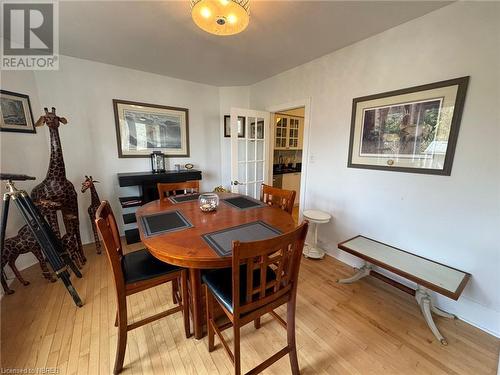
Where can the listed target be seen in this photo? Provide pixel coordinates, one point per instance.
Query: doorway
(287, 152)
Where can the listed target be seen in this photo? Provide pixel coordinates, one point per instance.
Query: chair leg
(236, 351)
(210, 329)
(256, 323)
(290, 333)
(175, 290)
(185, 303)
(122, 337)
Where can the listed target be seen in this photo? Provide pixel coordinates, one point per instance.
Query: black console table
(148, 192)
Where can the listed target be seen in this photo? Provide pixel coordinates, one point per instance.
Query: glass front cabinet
(288, 132)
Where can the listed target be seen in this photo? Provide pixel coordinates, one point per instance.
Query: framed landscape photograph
(410, 130)
(143, 128)
(16, 115)
(241, 126)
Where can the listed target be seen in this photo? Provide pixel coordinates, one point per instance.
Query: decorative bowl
(208, 202)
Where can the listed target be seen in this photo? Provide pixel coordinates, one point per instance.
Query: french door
(250, 156)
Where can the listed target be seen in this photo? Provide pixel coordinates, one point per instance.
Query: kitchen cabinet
(291, 181)
(288, 132)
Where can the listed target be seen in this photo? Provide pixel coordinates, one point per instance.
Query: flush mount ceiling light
(221, 17)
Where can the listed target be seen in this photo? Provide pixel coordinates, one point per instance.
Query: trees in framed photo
(143, 128)
(241, 126)
(410, 130)
(16, 114)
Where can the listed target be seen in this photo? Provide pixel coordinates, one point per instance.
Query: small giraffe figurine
(22, 243)
(94, 205)
(56, 189)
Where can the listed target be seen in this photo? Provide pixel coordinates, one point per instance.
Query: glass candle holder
(208, 202)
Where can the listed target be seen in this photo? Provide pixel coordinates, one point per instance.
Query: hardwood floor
(364, 328)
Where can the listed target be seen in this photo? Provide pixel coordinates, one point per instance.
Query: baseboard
(465, 309)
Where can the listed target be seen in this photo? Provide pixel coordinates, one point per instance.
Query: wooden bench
(426, 273)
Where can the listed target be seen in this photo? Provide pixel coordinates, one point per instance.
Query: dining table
(188, 247)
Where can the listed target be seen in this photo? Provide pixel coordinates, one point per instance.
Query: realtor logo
(30, 35)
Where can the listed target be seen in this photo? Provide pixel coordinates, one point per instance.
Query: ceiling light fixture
(221, 17)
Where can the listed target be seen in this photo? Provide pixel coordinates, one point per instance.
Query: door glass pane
(251, 150)
(260, 150)
(251, 125)
(242, 189)
(251, 190)
(242, 174)
(260, 171)
(260, 128)
(242, 149)
(251, 171)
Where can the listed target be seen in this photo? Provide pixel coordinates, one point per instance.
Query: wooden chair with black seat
(168, 189)
(263, 277)
(276, 197)
(135, 272)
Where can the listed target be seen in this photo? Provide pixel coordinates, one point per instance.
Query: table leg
(196, 301)
(362, 272)
(423, 298)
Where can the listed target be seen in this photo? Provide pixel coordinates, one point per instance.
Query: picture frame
(413, 130)
(241, 126)
(142, 128)
(15, 113)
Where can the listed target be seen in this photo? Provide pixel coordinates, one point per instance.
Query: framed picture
(241, 126)
(410, 130)
(16, 115)
(143, 128)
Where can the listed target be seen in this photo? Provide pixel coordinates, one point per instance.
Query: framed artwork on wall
(410, 130)
(16, 114)
(142, 128)
(241, 126)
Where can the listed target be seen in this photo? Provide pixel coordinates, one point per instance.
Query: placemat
(164, 222)
(244, 203)
(222, 241)
(183, 198)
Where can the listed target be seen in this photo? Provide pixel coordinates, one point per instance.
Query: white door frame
(306, 103)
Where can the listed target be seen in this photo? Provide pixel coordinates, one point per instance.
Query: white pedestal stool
(315, 217)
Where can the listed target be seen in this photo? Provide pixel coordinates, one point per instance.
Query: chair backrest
(108, 230)
(281, 198)
(283, 253)
(167, 189)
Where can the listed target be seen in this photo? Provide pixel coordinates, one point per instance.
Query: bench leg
(362, 272)
(424, 301)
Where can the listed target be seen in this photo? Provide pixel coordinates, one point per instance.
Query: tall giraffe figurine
(56, 190)
(94, 205)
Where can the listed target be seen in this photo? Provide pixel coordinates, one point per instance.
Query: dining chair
(263, 276)
(281, 198)
(167, 189)
(135, 272)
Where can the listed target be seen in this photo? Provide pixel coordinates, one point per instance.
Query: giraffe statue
(94, 205)
(56, 189)
(22, 243)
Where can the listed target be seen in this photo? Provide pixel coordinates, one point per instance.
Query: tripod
(57, 257)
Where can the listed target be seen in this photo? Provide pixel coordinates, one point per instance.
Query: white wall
(454, 220)
(82, 91)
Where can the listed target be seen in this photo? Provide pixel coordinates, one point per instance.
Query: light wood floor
(365, 328)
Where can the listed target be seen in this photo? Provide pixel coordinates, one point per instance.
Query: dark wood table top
(186, 247)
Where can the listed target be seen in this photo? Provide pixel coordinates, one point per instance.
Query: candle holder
(208, 202)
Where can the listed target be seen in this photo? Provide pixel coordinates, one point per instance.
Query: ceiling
(160, 37)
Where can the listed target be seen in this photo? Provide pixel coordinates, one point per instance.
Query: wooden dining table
(187, 248)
